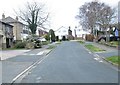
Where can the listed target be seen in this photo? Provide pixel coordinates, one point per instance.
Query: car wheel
(102, 41)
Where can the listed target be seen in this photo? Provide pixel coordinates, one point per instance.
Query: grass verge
(113, 59)
(113, 43)
(13, 49)
(93, 48)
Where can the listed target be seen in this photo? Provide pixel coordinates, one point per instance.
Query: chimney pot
(17, 18)
(3, 16)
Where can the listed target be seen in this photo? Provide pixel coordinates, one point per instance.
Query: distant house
(41, 32)
(61, 33)
(80, 33)
(20, 30)
(6, 35)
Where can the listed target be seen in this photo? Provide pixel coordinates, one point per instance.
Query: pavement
(5, 54)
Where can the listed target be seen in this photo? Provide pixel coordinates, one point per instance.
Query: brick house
(6, 35)
(20, 30)
(41, 32)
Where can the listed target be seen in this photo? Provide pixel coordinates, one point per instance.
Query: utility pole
(75, 32)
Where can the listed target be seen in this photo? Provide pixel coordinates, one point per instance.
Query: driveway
(5, 54)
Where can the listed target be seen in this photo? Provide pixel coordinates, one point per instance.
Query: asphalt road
(70, 62)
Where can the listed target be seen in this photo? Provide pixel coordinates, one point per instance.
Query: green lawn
(113, 59)
(93, 48)
(113, 43)
(13, 49)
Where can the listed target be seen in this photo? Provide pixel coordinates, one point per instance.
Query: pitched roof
(5, 23)
(10, 20)
(61, 28)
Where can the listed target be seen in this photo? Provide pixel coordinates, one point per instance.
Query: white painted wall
(80, 32)
(61, 32)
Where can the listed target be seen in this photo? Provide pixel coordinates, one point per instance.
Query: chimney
(17, 18)
(3, 16)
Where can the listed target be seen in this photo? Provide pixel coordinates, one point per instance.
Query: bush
(33, 43)
(29, 45)
(20, 45)
(47, 37)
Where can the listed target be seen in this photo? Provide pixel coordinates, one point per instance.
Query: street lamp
(75, 32)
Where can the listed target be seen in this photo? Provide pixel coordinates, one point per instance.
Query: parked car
(112, 38)
(33, 42)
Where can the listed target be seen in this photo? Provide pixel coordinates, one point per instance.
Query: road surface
(70, 62)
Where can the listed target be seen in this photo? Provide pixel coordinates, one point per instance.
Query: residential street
(59, 42)
(70, 62)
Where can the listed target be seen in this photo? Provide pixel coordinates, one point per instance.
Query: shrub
(30, 45)
(33, 43)
(20, 45)
(47, 37)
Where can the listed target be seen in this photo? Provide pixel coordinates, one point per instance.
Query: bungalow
(64, 33)
(61, 33)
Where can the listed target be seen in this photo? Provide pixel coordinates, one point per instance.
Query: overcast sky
(63, 12)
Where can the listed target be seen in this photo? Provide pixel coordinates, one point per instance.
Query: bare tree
(88, 15)
(34, 15)
(105, 17)
(95, 14)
